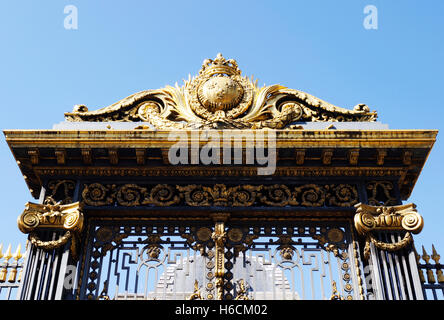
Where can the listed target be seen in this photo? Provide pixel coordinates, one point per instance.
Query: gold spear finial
(18, 255)
(418, 258)
(425, 256)
(439, 272)
(8, 254)
(435, 256)
(1, 249)
(4, 270)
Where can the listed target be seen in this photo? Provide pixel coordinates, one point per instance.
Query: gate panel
(187, 260)
(296, 260)
(161, 261)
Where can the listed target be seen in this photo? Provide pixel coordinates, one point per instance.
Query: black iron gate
(182, 259)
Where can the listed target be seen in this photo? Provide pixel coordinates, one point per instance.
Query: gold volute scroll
(52, 216)
(387, 218)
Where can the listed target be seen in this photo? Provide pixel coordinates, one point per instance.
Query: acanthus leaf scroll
(219, 97)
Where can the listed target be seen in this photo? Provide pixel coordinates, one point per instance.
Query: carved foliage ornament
(54, 216)
(308, 195)
(381, 218)
(220, 97)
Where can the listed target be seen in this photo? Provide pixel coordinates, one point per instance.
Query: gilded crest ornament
(220, 92)
(220, 97)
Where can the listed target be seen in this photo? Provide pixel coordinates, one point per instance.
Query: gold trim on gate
(387, 218)
(53, 216)
(219, 237)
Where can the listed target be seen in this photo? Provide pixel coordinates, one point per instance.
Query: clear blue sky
(321, 47)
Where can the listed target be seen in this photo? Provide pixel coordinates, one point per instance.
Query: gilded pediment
(221, 97)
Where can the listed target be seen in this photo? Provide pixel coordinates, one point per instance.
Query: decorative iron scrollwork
(229, 260)
(381, 193)
(332, 240)
(199, 239)
(196, 294)
(242, 291)
(278, 195)
(61, 190)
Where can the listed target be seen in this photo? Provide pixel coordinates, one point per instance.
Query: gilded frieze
(278, 195)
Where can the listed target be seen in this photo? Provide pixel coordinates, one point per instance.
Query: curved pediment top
(220, 97)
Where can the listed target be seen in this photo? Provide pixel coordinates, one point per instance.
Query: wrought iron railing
(11, 266)
(433, 281)
(429, 267)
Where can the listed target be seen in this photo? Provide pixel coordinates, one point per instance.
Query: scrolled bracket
(369, 219)
(66, 218)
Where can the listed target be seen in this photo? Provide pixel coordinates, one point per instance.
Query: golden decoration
(286, 248)
(394, 218)
(196, 295)
(376, 189)
(332, 240)
(104, 234)
(278, 195)
(220, 97)
(435, 257)
(235, 234)
(63, 188)
(381, 218)
(11, 266)
(329, 247)
(311, 195)
(204, 234)
(242, 293)
(154, 248)
(406, 240)
(335, 294)
(200, 240)
(342, 195)
(52, 215)
(96, 194)
(335, 235)
(431, 279)
(219, 237)
(188, 171)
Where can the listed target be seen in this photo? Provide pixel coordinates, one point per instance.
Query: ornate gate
(224, 259)
(220, 189)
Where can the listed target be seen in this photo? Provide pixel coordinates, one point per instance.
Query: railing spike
(418, 257)
(435, 256)
(8, 254)
(4, 269)
(18, 255)
(425, 256)
(1, 249)
(439, 272)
